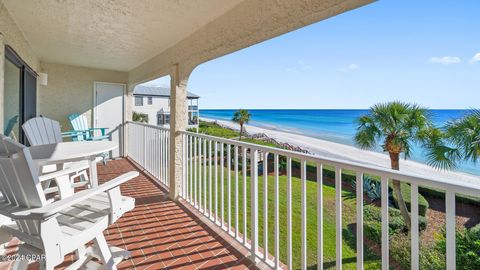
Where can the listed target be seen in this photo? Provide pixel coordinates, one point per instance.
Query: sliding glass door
(11, 110)
(20, 95)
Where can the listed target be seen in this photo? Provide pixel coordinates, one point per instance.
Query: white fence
(147, 145)
(222, 180)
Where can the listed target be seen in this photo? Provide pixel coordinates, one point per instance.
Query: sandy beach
(335, 150)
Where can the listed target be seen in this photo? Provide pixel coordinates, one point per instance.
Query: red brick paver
(162, 234)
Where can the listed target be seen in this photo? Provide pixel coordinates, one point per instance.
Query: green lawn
(349, 250)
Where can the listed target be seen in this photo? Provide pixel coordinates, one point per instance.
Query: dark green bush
(468, 248)
(422, 202)
(435, 193)
(140, 117)
(400, 252)
(373, 227)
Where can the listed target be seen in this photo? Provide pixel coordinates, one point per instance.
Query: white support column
(178, 123)
(128, 114)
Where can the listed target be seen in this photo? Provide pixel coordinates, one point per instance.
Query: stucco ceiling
(110, 34)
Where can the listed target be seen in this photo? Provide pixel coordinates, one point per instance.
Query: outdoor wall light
(42, 78)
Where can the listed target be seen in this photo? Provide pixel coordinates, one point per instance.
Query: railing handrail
(148, 125)
(437, 182)
(460, 187)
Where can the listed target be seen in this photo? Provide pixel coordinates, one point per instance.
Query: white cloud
(475, 58)
(445, 60)
(298, 66)
(350, 67)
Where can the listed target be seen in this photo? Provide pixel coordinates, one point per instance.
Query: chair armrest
(56, 174)
(103, 131)
(73, 133)
(53, 208)
(97, 129)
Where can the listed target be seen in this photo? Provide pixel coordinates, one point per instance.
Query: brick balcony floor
(160, 233)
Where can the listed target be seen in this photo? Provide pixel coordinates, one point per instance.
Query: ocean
(332, 125)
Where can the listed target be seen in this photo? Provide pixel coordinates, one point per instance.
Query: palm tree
(464, 133)
(241, 117)
(396, 126)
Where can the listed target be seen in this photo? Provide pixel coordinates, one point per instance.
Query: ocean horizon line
(323, 109)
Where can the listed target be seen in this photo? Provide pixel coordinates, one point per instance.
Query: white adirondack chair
(42, 130)
(55, 229)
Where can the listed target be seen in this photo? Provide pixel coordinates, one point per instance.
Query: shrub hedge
(373, 222)
(468, 248)
(422, 202)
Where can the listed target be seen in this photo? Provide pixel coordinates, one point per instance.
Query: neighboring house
(154, 101)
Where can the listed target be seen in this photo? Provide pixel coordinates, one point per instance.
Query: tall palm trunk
(241, 131)
(395, 163)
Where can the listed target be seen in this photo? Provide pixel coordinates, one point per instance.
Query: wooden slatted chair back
(42, 130)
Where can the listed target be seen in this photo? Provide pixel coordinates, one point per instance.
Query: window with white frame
(149, 100)
(138, 101)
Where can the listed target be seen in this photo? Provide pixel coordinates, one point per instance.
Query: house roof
(157, 91)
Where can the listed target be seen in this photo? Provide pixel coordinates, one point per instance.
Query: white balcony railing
(221, 180)
(148, 146)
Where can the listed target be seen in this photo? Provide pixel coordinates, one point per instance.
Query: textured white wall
(11, 35)
(70, 90)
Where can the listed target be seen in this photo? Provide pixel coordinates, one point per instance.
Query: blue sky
(414, 51)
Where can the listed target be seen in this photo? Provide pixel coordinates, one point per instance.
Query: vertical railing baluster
(144, 146)
(450, 227)
(167, 168)
(200, 175)
(210, 177)
(385, 229)
(277, 212)
(265, 205)
(184, 169)
(244, 171)
(205, 179)
(191, 167)
(338, 216)
(215, 186)
(235, 155)
(162, 156)
(359, 188)
(289, 213)
(319, 216)
(229, 195)
(254, 202)
(159, 152)
(195, 170)
(303, 176)
(222, 179)
(414, 227)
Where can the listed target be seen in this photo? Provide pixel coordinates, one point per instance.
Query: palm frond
(464, 133)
